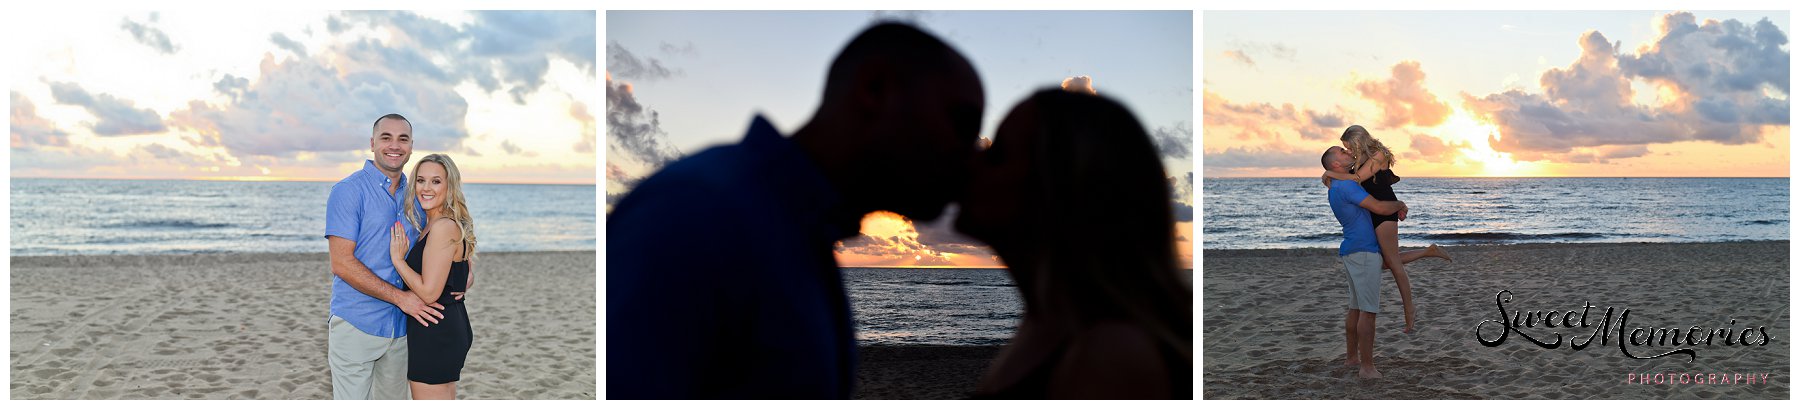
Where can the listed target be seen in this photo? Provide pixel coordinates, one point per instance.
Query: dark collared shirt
(721, 282)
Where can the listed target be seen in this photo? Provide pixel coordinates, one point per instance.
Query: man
(1361, 255)
(369, 307)
(721, 281)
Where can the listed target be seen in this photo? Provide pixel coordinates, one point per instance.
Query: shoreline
(1520, 245)
(1273, 322)
(252, 326)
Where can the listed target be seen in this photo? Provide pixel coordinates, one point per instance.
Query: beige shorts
(1364, 271)
(365, 366)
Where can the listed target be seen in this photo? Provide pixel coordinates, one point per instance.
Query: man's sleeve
(343, 212)
(664, 310)
(1354, 192)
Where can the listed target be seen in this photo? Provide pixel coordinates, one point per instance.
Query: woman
(435, 266)
(1373, 160)
(1072, 197)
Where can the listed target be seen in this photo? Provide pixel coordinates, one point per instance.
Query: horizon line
(281, 179)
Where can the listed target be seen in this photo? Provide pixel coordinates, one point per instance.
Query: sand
(1273, 322)
(252, 326)
(920, 371)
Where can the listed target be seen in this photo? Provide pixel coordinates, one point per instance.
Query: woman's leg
(422, 391)
(1388, 233)
(1432, 251)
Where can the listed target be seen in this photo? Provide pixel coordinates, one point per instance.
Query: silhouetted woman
(1073, 198)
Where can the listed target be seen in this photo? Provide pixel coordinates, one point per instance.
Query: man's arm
(353, 272)
(1382, 207)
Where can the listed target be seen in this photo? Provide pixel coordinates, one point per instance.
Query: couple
(400, 249)
(721, 278)
(1362, 198)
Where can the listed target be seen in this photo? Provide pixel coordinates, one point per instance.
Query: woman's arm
(428, 285)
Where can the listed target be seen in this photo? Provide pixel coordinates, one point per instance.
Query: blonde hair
(1362, 146)
(455, 208)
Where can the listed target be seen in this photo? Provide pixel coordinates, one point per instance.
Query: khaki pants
(364, 366)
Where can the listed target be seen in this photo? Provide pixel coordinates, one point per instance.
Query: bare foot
(1369, 373)
(1409, 317)
(1437, 252)
(1352, 363)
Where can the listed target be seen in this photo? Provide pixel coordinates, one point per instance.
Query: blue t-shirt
(1359, 233)
(721, 281)
(361, 209)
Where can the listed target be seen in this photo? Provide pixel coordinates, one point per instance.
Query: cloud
(1242, 51)
(324, 100)
(1239, 56)
(149, 36)
(1719, 81)
(1183, 212)
(1403, 98)
(634, 130)
(513, 149)
(1080, 83)
(686, 49)
(28, 129)
(282, 41)
(1433, 149)
(910, 243)
(1175, 141)
(307, 106)
(579, 111)
(115, 116)
(1264, 121)
(628, 66)
(498, 49)
(1242, 158)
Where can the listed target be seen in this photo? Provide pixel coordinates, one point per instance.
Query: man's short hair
(1325, 160)
(907, 46)
(389, 117)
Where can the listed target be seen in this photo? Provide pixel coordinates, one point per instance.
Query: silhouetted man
(721, 281)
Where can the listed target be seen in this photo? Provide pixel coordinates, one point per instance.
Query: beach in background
(1274, 213)
(1274, 322)
(252, 326)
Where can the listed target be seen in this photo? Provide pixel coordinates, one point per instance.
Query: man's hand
(426, 314)
(1402, 214)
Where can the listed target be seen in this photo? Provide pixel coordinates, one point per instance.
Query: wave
(168, 224)
(1508, 236)
(1765, 222)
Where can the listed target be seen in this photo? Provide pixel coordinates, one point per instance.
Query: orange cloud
(1404, 99)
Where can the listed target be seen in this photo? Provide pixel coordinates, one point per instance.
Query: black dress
(1381, 186)
(436, 354)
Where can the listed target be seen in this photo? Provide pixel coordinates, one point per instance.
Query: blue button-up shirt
(721, 282)
(361, 209)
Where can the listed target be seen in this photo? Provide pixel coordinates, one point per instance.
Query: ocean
(1262, 213)
(85, 217)
(945, 306)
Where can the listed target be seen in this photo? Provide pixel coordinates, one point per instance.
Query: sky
(1558, 93)
(679, 82)
(285, 95)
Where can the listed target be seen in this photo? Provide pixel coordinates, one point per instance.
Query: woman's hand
(398, 244)
(1325, 179)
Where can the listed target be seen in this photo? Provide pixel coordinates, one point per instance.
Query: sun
(1463, 128)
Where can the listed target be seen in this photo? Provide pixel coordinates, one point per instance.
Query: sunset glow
(1668, 93)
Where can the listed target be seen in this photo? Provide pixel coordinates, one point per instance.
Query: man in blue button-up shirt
(369, 306)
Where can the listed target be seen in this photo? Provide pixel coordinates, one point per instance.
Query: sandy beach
(921, 372)
(252, 326)
(1273, 323)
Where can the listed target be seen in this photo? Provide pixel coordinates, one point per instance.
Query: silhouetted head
(898, 121)
(1073, 190)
